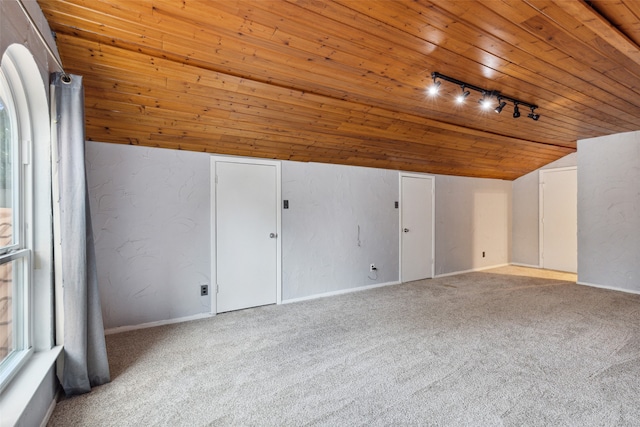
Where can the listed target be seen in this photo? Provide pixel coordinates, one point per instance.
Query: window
(15, 336)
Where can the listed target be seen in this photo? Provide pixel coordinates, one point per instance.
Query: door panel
(416, 228)
(246, 217)
(559, 220)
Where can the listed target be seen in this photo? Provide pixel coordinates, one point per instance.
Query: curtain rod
(66, 78)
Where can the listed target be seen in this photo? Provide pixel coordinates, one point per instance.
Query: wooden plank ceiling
(344, 81)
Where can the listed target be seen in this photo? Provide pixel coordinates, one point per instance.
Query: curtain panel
(85, 353)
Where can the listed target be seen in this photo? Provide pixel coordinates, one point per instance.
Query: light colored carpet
(482, 349)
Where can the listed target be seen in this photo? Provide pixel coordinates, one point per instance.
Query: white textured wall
(472, 216)
(150, 210)
(321, 250)
(151, 219)
(15, 28)
(609, 211)
(525, 213)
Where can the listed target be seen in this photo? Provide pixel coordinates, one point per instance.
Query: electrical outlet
(372, 267)
(204, 290)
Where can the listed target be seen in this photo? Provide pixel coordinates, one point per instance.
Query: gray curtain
(85, 353)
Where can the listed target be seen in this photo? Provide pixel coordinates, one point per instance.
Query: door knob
(273, 235)
(406, 230)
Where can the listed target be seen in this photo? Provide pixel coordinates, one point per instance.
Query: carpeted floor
(501, 347)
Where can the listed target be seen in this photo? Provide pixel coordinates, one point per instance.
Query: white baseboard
(610, 288)
(455, 273)
(519, 264)
(340, 292)
(120, 329)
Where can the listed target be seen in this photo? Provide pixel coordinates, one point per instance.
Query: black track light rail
(485, 92)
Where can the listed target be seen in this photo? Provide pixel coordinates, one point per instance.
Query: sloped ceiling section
(344, 81)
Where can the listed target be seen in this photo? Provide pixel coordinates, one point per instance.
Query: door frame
(433, 219)
(541, 208)
(214, 259)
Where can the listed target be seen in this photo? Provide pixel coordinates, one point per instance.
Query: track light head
(532, 115)
(516, 111)
(500, 106)
(463, 96)
(485, 101)
(435, 87)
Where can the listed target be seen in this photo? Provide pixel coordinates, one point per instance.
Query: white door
(246, 240)
(416, 227)
(559, 219)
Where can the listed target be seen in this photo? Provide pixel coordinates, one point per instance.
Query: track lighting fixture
(516, 110)
(487, 95)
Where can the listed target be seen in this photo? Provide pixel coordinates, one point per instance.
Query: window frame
(5, 87)
(22, 203)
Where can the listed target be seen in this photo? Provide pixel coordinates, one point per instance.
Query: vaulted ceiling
(344, 81)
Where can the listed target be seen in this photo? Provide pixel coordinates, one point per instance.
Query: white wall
(472, 216)
(321, 248)
(151, 220)
(150, 210)
(16, 29)
(525, 213)
(609, 211)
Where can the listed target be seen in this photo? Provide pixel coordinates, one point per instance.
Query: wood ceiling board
(618, 63)
(144, 72)
(522, 28)
(254, 118)
(588, 27)
(624, 15)
(332, 79)
(344, 82)
(470, 35)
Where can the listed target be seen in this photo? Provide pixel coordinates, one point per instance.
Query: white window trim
(18, 393)
(23, 243)
(19, 65)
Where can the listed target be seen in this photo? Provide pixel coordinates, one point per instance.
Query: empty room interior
(331, 212)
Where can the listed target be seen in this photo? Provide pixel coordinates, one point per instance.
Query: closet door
(416, 227)
(246, 234)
